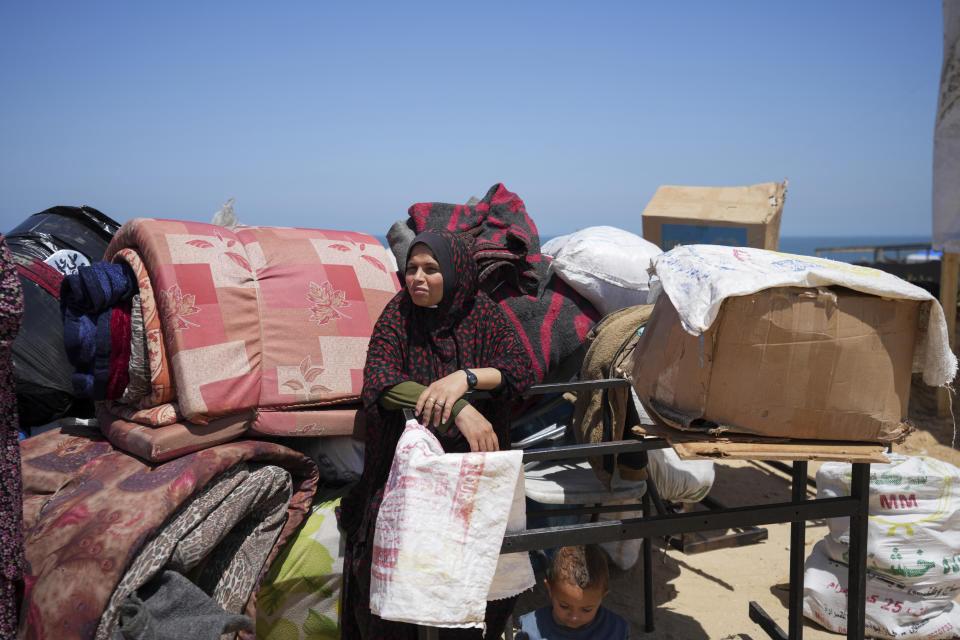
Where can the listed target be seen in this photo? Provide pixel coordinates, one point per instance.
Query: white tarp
(946, 138)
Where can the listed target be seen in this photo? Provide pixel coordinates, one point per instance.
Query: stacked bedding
(213, 333)
(104, 528)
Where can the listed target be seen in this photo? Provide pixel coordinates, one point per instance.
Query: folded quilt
(90, 512)
(138, 370)
(551, 318)
(165, 435)
(261, 317)
(230, 525)
(436, 555)
(161, 383)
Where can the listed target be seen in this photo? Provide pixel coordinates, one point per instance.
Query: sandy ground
(706, 595)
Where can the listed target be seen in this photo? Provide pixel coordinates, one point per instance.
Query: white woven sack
(680, 480)
(891, 611)
(913, 535)
(606, 265)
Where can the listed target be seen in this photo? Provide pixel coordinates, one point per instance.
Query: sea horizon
(807, 245)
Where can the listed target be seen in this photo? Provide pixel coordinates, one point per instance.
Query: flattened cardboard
(693, 446)
(746, 216)
(819, 364)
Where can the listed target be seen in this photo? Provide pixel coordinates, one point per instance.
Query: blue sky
(342, 115)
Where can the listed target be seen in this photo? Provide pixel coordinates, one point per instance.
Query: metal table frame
(797, 511)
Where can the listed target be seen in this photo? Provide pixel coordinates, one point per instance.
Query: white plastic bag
(606, 265)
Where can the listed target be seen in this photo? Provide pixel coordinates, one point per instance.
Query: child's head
(577, 581)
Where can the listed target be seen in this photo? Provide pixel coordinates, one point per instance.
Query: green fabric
(405, 396)
(300, 595)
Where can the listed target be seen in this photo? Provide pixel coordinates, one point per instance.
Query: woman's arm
(405, 395)
(437, 401)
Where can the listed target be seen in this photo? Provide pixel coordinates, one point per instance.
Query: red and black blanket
(551, 318)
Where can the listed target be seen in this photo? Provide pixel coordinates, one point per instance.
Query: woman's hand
(477, 430)
(435, 404)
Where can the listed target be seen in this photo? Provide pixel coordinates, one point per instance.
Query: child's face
(574, 607)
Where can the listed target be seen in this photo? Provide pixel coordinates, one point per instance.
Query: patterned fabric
(230, 525)
(138, 370)
(300, 595)
(410, 342)
(89, 510)
(266, 317)
(161, 384)
(11, 508)
(159, 416)
(551, 318)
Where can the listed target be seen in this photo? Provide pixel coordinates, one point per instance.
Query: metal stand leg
(647, 572)
(428, 633)
(797, 535)
(857, 574)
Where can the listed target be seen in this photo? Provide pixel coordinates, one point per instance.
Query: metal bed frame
(797, 511)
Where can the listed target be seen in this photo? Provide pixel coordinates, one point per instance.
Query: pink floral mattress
(266, 318)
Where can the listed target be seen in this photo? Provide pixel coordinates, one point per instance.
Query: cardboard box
(824, 364)
(733, 216)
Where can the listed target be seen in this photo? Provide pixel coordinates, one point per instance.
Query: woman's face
(423, 278)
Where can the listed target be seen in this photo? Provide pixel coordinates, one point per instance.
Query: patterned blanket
(98, 522)
(260, 317)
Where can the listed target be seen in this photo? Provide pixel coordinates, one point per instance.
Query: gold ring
(432, 401)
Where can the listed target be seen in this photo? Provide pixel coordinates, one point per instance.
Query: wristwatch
(471, 378)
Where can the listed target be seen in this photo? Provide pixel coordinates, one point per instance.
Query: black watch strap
(471, 378)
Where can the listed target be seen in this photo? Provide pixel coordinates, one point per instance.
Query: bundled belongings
(551, 318)
(606, 265)
(602, 415)
(46, 247)
(103, 528)
(913, 546)
(772, 344)
(221, 332)
(732, 216)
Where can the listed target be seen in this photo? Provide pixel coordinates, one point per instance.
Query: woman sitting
(436, 339)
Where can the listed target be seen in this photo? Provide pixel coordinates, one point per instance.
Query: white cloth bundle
(698, 278)
(436, 556)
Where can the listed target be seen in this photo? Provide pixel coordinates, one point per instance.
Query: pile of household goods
(913, 551)
(194, 338)
(226, 366)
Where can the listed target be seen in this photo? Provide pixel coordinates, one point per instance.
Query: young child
(577, 581)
